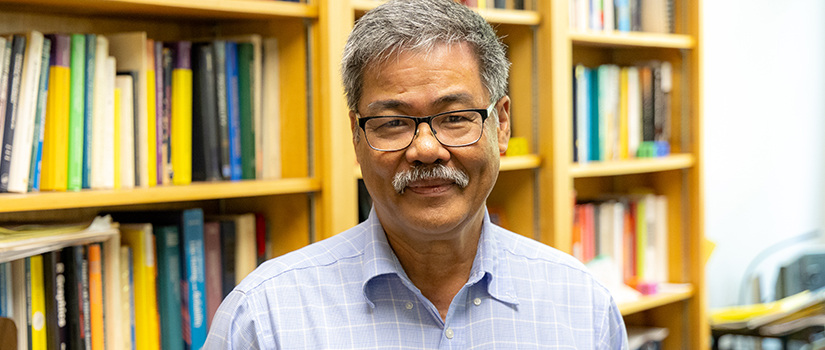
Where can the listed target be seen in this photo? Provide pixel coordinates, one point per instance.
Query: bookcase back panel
(519, 41)
(513, 197)
(288, 218)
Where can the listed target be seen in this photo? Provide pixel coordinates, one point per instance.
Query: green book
(77, 94)
(167, 244)
(245, 93)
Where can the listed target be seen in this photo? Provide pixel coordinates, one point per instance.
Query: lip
(430, 187)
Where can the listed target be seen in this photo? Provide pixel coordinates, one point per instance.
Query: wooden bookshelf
(653, 301)
(633, 39)
(632, 166)
(499, 16)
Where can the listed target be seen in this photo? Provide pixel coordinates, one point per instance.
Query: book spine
(233, 112)
(167, 65)
(96, 296)
(182, 114)
(228, 244)
(126, 136)
(212, 265)
(86, 306)
(223, 118)
(56, 128)
(54, 283)
(108, 153)
(127, 299)
(39, 121)
(73, 260)
(88, 108)
(245, 109)
(167, 240)
(160, 109)
(15, 77)
(140, 238)
(18, 180)
(5, 62)
(38, 340)
(99, 117)
(77, 93)
(194, 278)
(151, 116)
(205, 144)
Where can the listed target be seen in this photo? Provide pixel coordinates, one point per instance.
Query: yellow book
(55, 162)
(152, 113)
(140, 239)
(623, 104)
(117, 144)
(182, 115)
(38, 303)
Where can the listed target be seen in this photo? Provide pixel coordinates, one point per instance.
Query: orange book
(96, 296)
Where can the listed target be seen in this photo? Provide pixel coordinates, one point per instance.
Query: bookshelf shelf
(207, 9)
(633, 39)
(162, 194)
(517, 17)
(648, 302)
(632, 166)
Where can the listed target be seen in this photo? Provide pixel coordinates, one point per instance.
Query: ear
(503, 108)
(353, 126)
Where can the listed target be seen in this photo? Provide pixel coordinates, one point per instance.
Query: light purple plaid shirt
(350, 292)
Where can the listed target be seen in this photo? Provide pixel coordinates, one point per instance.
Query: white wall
(764, 131)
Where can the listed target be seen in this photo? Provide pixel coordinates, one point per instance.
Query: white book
(26, 109)
(4, 77)
(634, 111)
(608, 15)
(660, 245)
(107, 173)
(130, 51)
(98, 112)
(582, 113)
(271, 122)
(126, 138)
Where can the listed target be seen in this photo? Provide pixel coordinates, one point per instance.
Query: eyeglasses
(452, 129)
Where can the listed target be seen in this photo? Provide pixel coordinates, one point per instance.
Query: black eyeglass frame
(362, 122)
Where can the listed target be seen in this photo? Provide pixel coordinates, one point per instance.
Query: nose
(425, 148)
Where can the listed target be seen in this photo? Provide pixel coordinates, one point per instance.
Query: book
(108, 163)
(12, 102)
(582, 116)
(233, 112)
(153, 161)
(21, 306)
(18, 180)
(160, 54)
(181, 140)
(85, 298)
(228, 245)
(167, 240)
(127, 300)
(93, 173)
(245, 109)
(6, 290)
(77, 93)
(205, 141)
(37, 301)
(126, 136)
(212, 267)
(90, 70)
(73, 263)
(223, 114)
(634, 111)
(245, 252)
(54, 284)
(270, 130)
(129, 49)
(256, 71)
(5, 62)
(167, 65)
(35, 163)
(139, 238)
(96, 296)
(261, 235)
(56, 128)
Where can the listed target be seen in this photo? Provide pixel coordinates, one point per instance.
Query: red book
(260, 237)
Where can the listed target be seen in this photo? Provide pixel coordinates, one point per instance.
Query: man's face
(418, 84)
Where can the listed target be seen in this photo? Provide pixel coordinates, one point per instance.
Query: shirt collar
(489, 265)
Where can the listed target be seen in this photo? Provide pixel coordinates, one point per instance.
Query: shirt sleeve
(612, 332)
(233, 326)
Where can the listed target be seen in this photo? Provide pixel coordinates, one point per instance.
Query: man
(426, 86)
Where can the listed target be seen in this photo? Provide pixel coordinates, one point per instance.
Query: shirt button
(477, 301)
(449, 333)
(409, 305)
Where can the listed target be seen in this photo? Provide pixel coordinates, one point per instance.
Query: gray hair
(419, 25)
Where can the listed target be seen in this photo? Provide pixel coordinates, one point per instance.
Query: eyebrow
(393, 104)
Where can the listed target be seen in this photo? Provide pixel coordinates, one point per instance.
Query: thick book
(88, 107)
(18, 180)
(35, 165)
(12, 102)
(213, 269)
(129, 49)
(270, 130)
(167, 241)
(37, 299)
(140, 239)
(5, 62)
(96, 295)
(126, 135)
(73, 262)
(54, 284)
(56, 128)
(233, 111)
(205, 141)
(181, 140)
(219, 46)
(245, 110)
(77, 93)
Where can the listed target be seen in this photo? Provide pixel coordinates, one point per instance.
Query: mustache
(439, 171)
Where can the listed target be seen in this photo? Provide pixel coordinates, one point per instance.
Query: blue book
(5, 283)
(233, 110)
(167, 245)
(91, 47)
(622, 10)
(194, 277)
(39, 118)
(593, 147)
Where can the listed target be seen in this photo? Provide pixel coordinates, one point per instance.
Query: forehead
(444, 73)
